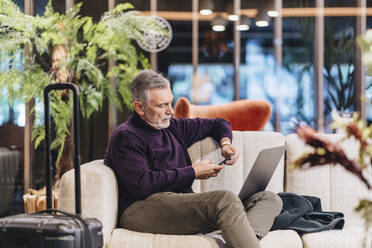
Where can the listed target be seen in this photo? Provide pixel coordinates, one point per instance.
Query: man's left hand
(228, 150)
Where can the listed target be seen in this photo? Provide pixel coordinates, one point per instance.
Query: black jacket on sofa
(304, 214)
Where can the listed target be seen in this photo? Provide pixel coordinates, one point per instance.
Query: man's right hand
(204, 169)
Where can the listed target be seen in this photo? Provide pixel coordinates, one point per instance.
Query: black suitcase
(53, 228)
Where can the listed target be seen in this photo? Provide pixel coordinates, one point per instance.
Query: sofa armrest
(99, 194)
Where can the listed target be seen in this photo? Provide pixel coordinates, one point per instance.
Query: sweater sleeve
(132, 168)
(193, 130)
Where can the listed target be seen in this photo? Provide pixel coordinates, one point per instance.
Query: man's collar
(141, 123)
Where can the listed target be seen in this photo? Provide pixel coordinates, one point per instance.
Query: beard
(163, 123)
(158, 123)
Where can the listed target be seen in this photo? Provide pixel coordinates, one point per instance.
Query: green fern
(89, 45)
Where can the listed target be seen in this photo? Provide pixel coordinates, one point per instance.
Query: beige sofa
(338, 190)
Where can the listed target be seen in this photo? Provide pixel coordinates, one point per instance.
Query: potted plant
(71, 48)
(325, 152)
(338, 70)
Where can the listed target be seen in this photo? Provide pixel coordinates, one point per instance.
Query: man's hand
(204, 169)
(227, 150)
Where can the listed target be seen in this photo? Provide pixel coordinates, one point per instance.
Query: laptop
(261, 172)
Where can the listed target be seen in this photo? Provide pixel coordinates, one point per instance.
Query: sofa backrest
(249, 143)
(338, 189)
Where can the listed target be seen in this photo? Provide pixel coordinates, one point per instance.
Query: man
(149, 156)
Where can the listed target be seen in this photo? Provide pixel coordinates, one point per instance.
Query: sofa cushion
(125, 238)
(232, 177)
(349, 237)
(281, 238)
(338, 189)
(98, 193)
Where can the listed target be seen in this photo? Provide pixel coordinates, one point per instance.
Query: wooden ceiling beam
(286, 12)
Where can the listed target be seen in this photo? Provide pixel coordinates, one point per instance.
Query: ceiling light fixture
(233, 18)
(244, 23)
(262, 19)
(262, 24)
(272, 13)
(206, 12)
(206, 7)
(230, 11)
(218, 24)
(270, 8)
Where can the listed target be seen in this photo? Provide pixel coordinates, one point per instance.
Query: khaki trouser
(192, 213)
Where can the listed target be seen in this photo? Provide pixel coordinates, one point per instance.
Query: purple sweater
(147, 160)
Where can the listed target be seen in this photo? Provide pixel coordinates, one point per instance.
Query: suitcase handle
(48, 156)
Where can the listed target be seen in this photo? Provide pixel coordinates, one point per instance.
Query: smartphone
(227, 158)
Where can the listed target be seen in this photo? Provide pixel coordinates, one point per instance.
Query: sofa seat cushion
(122, 238)
(281, 238)
(346, 238)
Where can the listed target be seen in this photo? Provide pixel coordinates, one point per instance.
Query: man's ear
(139, 108)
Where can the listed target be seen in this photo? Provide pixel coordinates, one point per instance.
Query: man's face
(158, 110)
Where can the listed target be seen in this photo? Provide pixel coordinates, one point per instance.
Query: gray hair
(145, 81)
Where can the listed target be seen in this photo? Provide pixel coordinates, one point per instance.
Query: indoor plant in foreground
(325, 152)
(71, 48)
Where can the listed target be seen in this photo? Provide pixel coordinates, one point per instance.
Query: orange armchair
(243, 115)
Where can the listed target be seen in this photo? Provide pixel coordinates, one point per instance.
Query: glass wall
(12, 122)
(368, 99)
(298, 105)
(14, 111)
(176, 60)
(339, 60)
(290, 89)
(214, 83)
